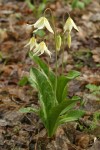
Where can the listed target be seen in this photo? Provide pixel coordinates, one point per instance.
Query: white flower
(69, 25)
(41, 23)
(32, 43)
(41, 48)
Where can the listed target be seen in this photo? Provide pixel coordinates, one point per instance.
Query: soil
(20, 131)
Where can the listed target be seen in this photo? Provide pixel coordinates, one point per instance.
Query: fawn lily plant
(55, 108)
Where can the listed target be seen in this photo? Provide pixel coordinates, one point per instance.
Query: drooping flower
(41, 48)
(32, 43)
(69, 25)
(41, 23)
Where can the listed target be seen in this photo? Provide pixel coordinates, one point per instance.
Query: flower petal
(68, 25)
(47, 25)
(40, 23)
(48, 52)
(41, 48)
(74, 25)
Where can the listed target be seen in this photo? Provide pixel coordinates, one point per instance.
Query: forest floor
(20, 131)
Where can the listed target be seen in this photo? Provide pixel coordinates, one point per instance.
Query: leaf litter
(25, 131)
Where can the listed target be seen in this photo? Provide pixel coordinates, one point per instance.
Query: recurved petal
(31, 46)
(48, 26)
(74, 25)
(48, 52)
(27, 44)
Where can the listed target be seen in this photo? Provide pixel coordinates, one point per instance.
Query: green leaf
(86, 1)
(62, 81)
(40, 62)
(30, 5)
(40, 33)
(92, 87)
(28, 110)
(71, 116)
(61, 91)
(46, 94)
(44, 67)
(73, 74)
(76, 98)
(55, 112)
(32, 80)
(74, 3)
(41, 7)
(80, 5)
(23, 81)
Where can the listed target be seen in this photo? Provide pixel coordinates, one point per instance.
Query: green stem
(63, 47)
(63, 44)
(54, 29)
(56, 63)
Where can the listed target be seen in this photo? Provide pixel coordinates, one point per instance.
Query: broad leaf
(32, 80)
(74, 98)
(44, 67)
(40, 62)
(46, 94)
(61, 91)
(62, 82)
(71, 116)
(55, 112)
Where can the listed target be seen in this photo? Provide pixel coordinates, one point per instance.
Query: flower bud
(69, 39)
(58, 42)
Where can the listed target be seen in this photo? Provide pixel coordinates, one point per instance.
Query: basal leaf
(71, 116)
(41, 64)
(62, 81)
(55, 112)
(32, 80)
(46, 94)
(61, 91)
(45, 68)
